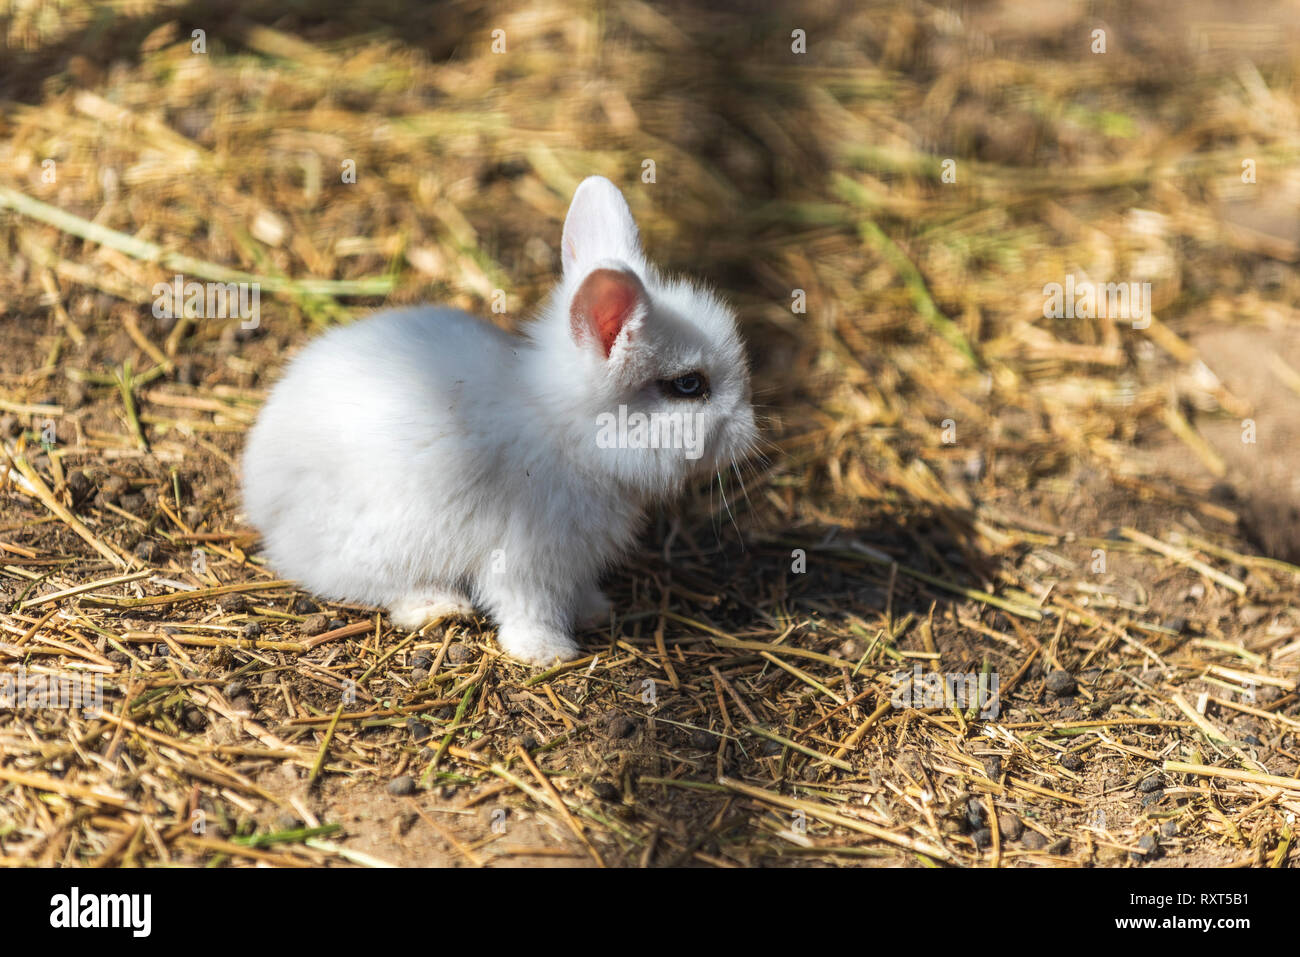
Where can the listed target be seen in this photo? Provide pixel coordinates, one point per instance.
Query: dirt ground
(600, 742)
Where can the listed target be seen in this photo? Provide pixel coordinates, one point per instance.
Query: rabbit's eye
(693, 385)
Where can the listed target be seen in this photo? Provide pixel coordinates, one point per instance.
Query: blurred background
(886, 190)
(428, 151)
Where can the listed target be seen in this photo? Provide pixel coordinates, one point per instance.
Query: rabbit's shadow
(685, 707)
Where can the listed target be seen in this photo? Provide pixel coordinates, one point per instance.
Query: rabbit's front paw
(535, 644)
(413, 613)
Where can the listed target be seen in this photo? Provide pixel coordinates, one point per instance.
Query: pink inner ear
(603, 304)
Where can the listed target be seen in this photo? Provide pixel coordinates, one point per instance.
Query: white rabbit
(426, 461)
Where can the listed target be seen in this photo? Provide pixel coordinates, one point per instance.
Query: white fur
(428, 462)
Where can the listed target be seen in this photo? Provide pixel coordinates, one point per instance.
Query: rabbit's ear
(607, 302)
(599, 226)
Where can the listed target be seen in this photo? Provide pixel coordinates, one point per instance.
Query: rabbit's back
(368, 457)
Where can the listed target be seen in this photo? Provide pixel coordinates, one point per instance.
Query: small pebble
(302, 605)
(1010, 826)
(1061, 683)
(251, 630)
(80, 486)
(401, 786)
(1033, 840)
(458, 653)
(982, 837)
(113, 487)
(132, 502)
(604, 790)
(1059, 846)
(1071, 762)
(313, 625)
(1150, 845)
(418, 675)
(419, 730)
(1169, 828)
(992, 766)
(1152, 782)
(232, 604)
(422, 659)
(243, 705)
(621, 727)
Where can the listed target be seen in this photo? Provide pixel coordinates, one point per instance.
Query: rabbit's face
(699, 368)
(647, 374)
(665, 371)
